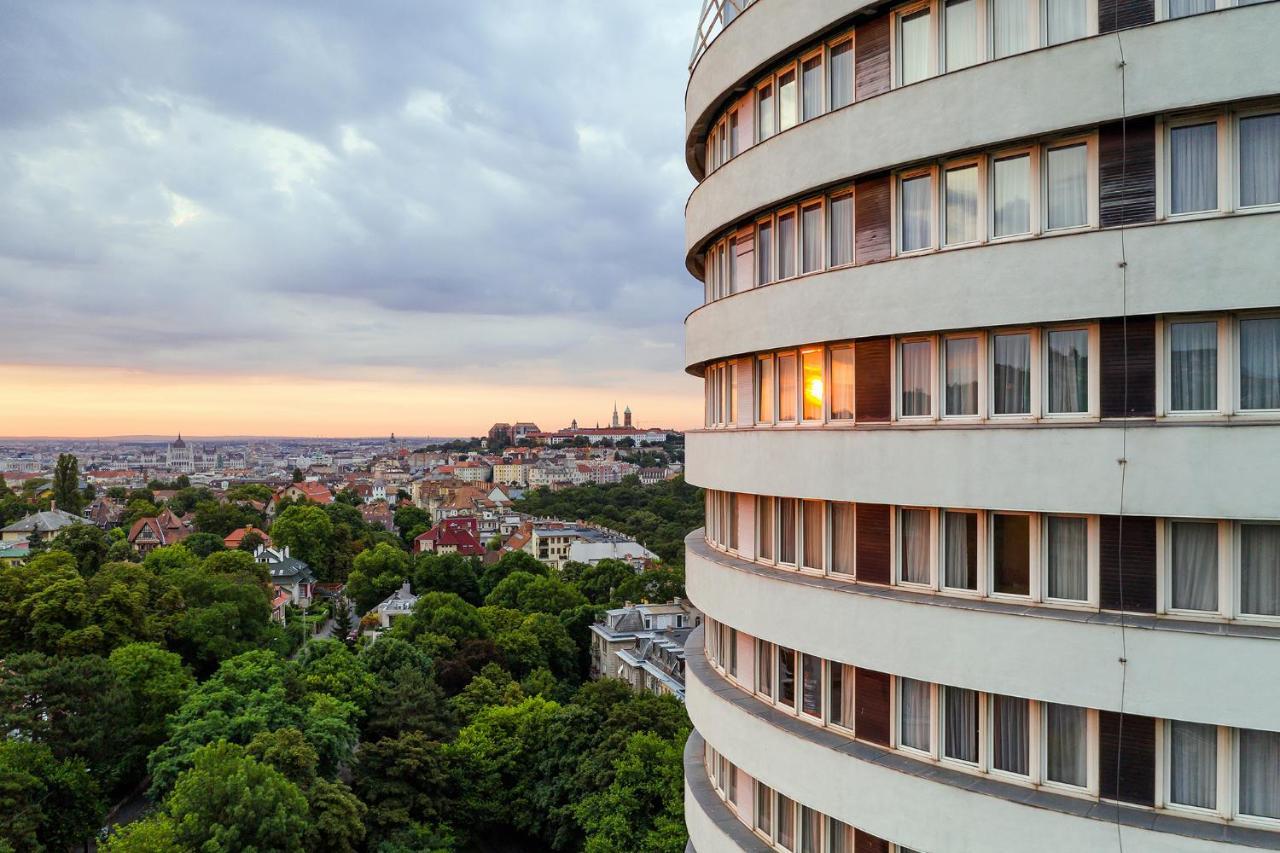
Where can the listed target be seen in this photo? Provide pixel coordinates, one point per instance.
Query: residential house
(452, 536)
(551, 542)
(399, 603)
(233, 539)
(157, 531)
(44, 524)
(288, 573)
(643, 644)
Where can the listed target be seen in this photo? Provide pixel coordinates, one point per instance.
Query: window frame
(825, 536)
(765, 389)
(832, 197)
(1035, 219)
(771, 85)
(1093, 562)
(777, 384)
(983, 48)
(1092, 199)
(1091, 755)
(833, 44)
(929, 171)
(792, 211)
(980, 336)
(1034, 401)
(931, 384)
(895, 42)
(1225, 794)
(1164, 573)
(1233, 120)
(1237, 361)
(823, 379)
(1034, 570)
(1237, 573)
(975, 161)
(1090, 23)
(1094, 393)
(766, 222)
(819, 53)
(895, 715)
(896, 548)
(819, 202)
(1037, 25)
(793, 68)
(1164, 152)
(980, 582)
(830, 536)
(829, 384)
(1164, 377)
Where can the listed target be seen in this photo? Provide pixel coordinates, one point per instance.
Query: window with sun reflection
(811, 369)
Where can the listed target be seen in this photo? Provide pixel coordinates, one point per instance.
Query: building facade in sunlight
(991, 348)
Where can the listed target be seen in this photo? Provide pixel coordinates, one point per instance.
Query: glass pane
(1260, 569)
(913, 718)
(1011, 386)
(961, 356)
(811, 366)
(811, 72)
(764, 391)
(787, 387)
(1193, 168)
(961, 186)
(842, 384)
(1068, 547)
(914, 547)
(835, 671)
(764, 669)
(1260, 364)
(1011, 558)
(810, 830)
(841, 75)
(787, 107)
(1260, 773)
(1068, 186)
(787, 530)
(786, 245)
(814, 546)
(811, 685)
(841, 835)
(914, 224)
(1067, 20)
(1260, 160)
(1194, 565)
(1012, 202)
(765, 113)
(786, 676)
(1011, 27)
(1193, 764)
(786, 823)
(962, 33)
(913, 41)
(764, 253)
(1065, 756)
(960, 724)
(764, 809)
(1011, 734)
(764, 527)
(840, 242)
(1183, 8)
(1193, 367)
(916, 358)
(1069, 371)
(811, 239)
(960, 550)
(733, 134)
(842, 542)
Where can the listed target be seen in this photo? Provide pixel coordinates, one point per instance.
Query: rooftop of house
(50, 519)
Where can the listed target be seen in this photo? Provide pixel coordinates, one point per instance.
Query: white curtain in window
(1065, 730)
(847, 707)
(1260, 364)
(841, 836)
(1260, 160)
(1193, 168)
(786, 246)
(914, 216)
(1193, 367)
(764, 527)
(961, 186)
(1066, 21)
(1068, 558)
(811, 79)
(841, 224)
(811, 239)
(810, 830)
(915, 545)
(1193, 764)
(960, 530)
(1011, 391)
(788, 109)
(786, 823)
(962, 376)
(1068, 186)
(1069, 371)
(842, 543)
(916, 358)
(842, 384)
(961, 22)
(1260, 773)
(1012, 199)
(1011, 737)
(787, 530)
(1260, 569)
(1183, 8)
(841, 75)
(960, 723)
(913, 723)
(814, 545)
(1011, 32)
(765, 113)
(913, 39)
(1195, 565)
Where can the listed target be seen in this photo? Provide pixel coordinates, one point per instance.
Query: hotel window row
(1201, 367)
(1188, 568)
(1203, 770)
(1215, 162)
(782, 821)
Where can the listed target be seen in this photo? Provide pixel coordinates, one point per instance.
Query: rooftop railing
(716, 15)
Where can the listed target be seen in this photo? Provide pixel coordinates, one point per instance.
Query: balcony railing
(716, 15)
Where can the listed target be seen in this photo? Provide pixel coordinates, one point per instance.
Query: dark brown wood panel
(1121, 14)
(1127, 172)
(872, 229)
(871, 75)
(872, 559)
(1128, 367)
(1127, 758)
(871, 701)
(1127, 563)
(865, 842)
(872, 386)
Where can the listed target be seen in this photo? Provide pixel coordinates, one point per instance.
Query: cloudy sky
(332, 218)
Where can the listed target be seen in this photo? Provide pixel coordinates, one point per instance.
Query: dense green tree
(447, 573)
(152, 683)
(661, 584)
(136, 509)
(163, 560)
(153, 834)
(120, 551)
(297, 475)
(43, 605)
(492, 686)
(408, 518)
(203, 544)
(337, 823)
(642, 810)
(600, 582)
(188, 497)
(508, 564)
(251, 541)
(249, 492)
(408, 701)
(376, 574)
(402, 780)
(391, 654)
(308, 533)
(86, 542)
(328, 666)
(228, 608)
(129, 602)
(220, 519)
(287, 750)
(533, 593)
(45, 803)
(66, 484)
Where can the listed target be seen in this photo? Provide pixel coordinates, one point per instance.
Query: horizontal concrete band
(713, 828)
(1034, 468)
(1204, 59)
(922, 806)
(1069, 277)
(1054, 655)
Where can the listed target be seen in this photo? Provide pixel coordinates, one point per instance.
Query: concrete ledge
(710, 822)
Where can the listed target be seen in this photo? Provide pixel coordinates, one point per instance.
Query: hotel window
(1012, 25)
(1193, 365)
(764, 528)
(730, 266)
(812, 389)
(960, 550)
(764, 389)
(961, 44)
(733, 134)
(788, 108)
(960, 715)
(787, 509)
(814, 544)
(1011, 195)
(915, 371)
(842, 538)
(811, 87)
(841, 836)
(764, 668)
(730, 390)
(915, 212)
(1067, 558)
(811, 831)
(1258, 778)
(713, 149)
(787, 244)
(960, 204)
(733, 652)
(1222, 771)
(811, 686)
(1066, 755)
(915, 45)
(840, 375)
(786, 677)
(915, 714)
(1067, 186)
(1011, 373)
(840, 680)
(840, 93)
(960, 368)
(764, 252)
(1068, 371)
(1010, 734)
(840, 231)
(731, 518)
(1259, 569)
(1193, 764)
(1065, 20)
(914, 546)
(811, 237)
(787, 387)
(1010, 553)
(786, 837)
(1184, 8)
(1260, 364)
(765, 115)
(1193, 167)
(764, 809)
(1259, 157)
(1193, 566)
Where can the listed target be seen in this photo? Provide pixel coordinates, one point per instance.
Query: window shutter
(865, 842)
(1132, 341)
(871, 543)
(1127, 172)
(872, 227)
(872, 400)
(871, 706)
(1134, 553)
(1127, 758)
(1121, 14)
(871, 58)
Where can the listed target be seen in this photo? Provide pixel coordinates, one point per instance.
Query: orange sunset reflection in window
(811, 369)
